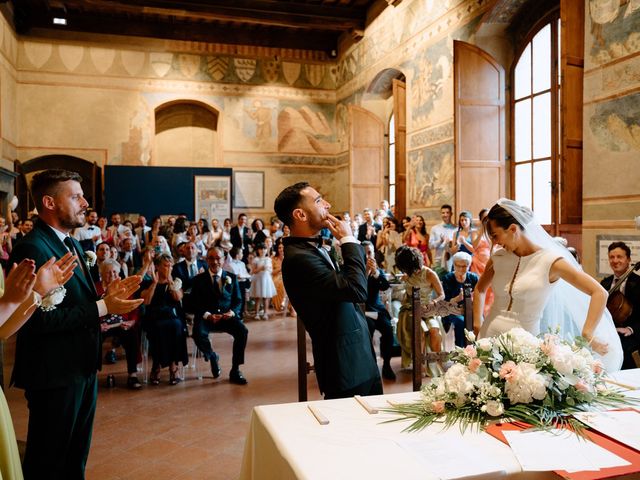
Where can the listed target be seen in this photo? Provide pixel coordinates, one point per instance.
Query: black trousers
(130, 341)
(233, 326)
(60, 427)
(383, 325)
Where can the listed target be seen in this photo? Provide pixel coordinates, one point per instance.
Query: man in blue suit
(326, 298)
(217, 306)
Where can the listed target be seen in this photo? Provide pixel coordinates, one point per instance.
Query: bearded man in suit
(326, 298)
(59, 351)
(217, 302)
(629, 330)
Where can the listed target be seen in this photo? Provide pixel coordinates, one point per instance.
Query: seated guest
(130, 256)
(103, 252)
(410, 261)
(234, 264)
(218, 302)
(124, 326)
(627, 325)
(186, 270)
(454, 284)
(165, 328)
(376, 283)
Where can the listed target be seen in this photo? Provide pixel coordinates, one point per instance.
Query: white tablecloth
(287, 442)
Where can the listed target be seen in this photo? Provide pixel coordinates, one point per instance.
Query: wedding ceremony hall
(319, 239)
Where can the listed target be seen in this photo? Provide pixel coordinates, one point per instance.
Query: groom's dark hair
(287, 201)
(47, 183)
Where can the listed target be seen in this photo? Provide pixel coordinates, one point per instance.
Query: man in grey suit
(326, 298)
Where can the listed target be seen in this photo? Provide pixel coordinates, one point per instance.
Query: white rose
(484, 344)
(495, 408)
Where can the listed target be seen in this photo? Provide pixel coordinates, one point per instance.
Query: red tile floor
(196, 429)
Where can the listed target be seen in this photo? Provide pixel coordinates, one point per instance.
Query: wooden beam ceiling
(298, 24)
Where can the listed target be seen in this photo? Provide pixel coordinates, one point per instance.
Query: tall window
(536, 123)
(392, 160)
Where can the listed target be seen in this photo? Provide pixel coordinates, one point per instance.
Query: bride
(539, 286)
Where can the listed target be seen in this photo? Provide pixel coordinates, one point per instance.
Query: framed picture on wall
(212, 197)
(248, 189)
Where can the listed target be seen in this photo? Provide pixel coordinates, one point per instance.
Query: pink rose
(474, 364)
(597, 367)
(581, 386)
(508, 371)
(438, 406)
(470, 351)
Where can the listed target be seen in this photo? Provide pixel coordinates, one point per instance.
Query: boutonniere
(90, 258)
(227, 280)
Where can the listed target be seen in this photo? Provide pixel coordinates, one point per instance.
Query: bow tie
(292, 240)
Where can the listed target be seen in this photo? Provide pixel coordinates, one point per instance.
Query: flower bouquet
(514, 377)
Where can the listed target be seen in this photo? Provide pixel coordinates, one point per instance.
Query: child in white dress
(262, 286)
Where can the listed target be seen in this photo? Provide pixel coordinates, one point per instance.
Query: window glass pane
(392, 129)
(542, 126)
(523, 184)
(523, 130)
(559, 54)
(542, 191)
(392, 164)
(541, 52)
(392, 194)
(522, 75)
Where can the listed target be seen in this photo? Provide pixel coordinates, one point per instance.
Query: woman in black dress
(164, 321)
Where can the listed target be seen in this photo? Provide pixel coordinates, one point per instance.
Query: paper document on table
(437, 453)
(559, 450)
(623, 426)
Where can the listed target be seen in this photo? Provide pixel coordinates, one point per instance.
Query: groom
(58, 351)
(327, 299)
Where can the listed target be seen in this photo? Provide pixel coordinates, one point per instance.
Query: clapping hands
(117, 297)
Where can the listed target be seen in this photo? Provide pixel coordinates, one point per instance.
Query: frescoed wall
(611, 122)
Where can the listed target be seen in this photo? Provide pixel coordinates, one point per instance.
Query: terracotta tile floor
(194, 430)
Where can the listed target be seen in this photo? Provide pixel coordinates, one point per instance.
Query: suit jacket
(374, 287)
(206, 299)
(134, 263)
(631, 293)
(54, 348)
(327, 303)
(362, 233)
(181, 271)
(240, 241)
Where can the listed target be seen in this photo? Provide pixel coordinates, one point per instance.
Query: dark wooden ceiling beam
(263, 12)
(199, 32)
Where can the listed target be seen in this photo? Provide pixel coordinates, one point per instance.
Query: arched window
(391, 160)
(536, 121)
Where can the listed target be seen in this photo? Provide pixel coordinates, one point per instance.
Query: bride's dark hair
(503, 218)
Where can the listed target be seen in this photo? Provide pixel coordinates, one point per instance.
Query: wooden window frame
(552, 19)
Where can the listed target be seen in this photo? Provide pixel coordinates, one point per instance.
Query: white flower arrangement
(90, 258)
(227, 280)
(53, 298)
(537, 380)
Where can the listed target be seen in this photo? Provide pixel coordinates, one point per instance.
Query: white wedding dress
(522, 288)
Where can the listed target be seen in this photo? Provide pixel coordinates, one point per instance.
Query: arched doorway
(90, 172)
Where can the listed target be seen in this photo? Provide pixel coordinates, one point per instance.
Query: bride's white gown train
(522, 289)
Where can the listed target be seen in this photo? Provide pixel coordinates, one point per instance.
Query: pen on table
(322, 420)
(371, 410)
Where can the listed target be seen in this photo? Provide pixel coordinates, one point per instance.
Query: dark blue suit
(383, 322)
(209, 298)
(181, 271)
